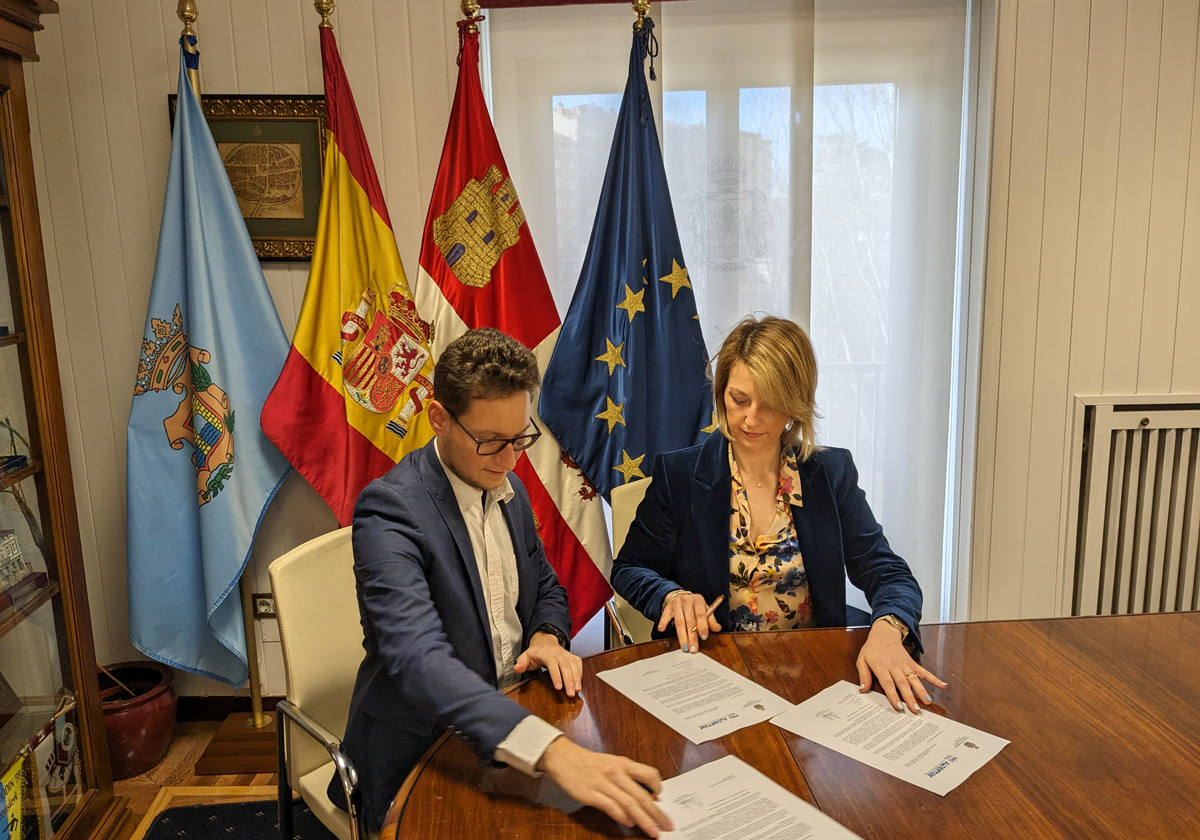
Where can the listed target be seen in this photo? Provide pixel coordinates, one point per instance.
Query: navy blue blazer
(680, 539)
(428, 665)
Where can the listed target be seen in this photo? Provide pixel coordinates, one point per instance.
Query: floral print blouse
(768, 587)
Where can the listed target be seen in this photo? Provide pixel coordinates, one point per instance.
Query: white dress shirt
(496, 561)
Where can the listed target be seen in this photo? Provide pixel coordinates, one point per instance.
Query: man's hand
(566, 669)
(618, 786)
(899, 676)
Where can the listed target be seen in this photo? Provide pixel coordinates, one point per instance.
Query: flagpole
(187, 13)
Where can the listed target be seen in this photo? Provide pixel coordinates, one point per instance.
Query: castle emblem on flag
(482, 223)
(203, 419)
(383, 358)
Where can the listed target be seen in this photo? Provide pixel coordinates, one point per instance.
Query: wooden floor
(173, 780)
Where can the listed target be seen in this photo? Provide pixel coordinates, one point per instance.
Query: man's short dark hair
(483, 364)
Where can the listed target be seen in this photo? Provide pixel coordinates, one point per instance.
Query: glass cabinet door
(43, 756)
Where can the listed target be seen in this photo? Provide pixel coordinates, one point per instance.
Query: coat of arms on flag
(204, 417)
(383, 356)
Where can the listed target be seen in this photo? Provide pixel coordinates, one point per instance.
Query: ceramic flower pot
(139, 727)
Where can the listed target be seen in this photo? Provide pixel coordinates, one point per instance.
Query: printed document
(694, 694)
(928, 750)
(727, 799)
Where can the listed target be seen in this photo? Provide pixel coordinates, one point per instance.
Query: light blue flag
(200, 472)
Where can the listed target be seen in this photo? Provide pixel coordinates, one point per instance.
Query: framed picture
(273, 148)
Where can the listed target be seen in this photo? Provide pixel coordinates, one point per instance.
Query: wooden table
(1103, 715)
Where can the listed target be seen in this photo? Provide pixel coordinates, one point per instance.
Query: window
(813, 163)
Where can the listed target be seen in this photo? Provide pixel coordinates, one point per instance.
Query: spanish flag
(479, 268)
(350, 400)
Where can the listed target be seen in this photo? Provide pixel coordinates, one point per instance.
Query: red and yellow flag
(350, 400)
(479, 268)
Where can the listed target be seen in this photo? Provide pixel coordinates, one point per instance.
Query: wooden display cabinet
(54, 761)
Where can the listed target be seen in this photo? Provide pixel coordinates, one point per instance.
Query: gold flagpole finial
(187, 13)
(324, 9)
(642, 8)
(470, 10)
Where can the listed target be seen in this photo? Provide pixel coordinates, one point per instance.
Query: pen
(711, 609)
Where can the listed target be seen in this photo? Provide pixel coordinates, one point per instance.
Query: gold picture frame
(273, 148)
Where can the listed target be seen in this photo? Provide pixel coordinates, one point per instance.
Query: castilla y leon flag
(479, 268)
(350, 400)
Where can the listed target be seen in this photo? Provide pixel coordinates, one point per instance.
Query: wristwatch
(564, 641)
(898, 624)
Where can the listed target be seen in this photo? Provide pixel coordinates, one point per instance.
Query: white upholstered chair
(626, 624)
(321, 637)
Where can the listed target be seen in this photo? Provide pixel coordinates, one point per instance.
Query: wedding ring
(692, 629)
(910, 673)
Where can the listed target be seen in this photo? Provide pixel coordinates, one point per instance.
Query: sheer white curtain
(812, 156)
(888, 99)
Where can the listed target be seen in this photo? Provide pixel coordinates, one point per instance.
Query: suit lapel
(433, 478)
(711, 483)
(821, 546)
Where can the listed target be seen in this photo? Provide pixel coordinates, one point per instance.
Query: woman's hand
(693, 618)
(883, 655)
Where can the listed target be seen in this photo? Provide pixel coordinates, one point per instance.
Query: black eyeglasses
(491, 447)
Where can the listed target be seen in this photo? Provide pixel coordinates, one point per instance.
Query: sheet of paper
(694, 694)
(727, 799)
(928, 750)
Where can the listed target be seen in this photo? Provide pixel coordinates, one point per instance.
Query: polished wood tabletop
(1103, 715)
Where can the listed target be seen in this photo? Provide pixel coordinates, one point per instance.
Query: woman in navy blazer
(724, 521)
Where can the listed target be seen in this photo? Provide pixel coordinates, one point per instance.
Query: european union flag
(627, 378)
(199, 471)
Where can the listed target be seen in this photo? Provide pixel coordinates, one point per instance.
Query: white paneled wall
(98, 101)
(1093, 265)
(1093, 243)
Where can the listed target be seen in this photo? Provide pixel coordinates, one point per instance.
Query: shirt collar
(467, 495)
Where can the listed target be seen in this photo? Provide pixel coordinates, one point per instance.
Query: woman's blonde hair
(779, 357)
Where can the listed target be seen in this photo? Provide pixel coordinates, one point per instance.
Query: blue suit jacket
(680, 538)
(428, 664)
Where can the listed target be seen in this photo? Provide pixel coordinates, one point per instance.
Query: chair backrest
(321, 637)
(625, 500)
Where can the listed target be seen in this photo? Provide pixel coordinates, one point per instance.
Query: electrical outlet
(264, 604)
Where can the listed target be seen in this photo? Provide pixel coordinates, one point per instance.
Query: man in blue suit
(457, 600)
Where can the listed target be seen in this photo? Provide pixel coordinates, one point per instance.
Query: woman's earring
(788, 427)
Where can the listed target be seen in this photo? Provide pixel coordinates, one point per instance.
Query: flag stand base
(238, 748)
